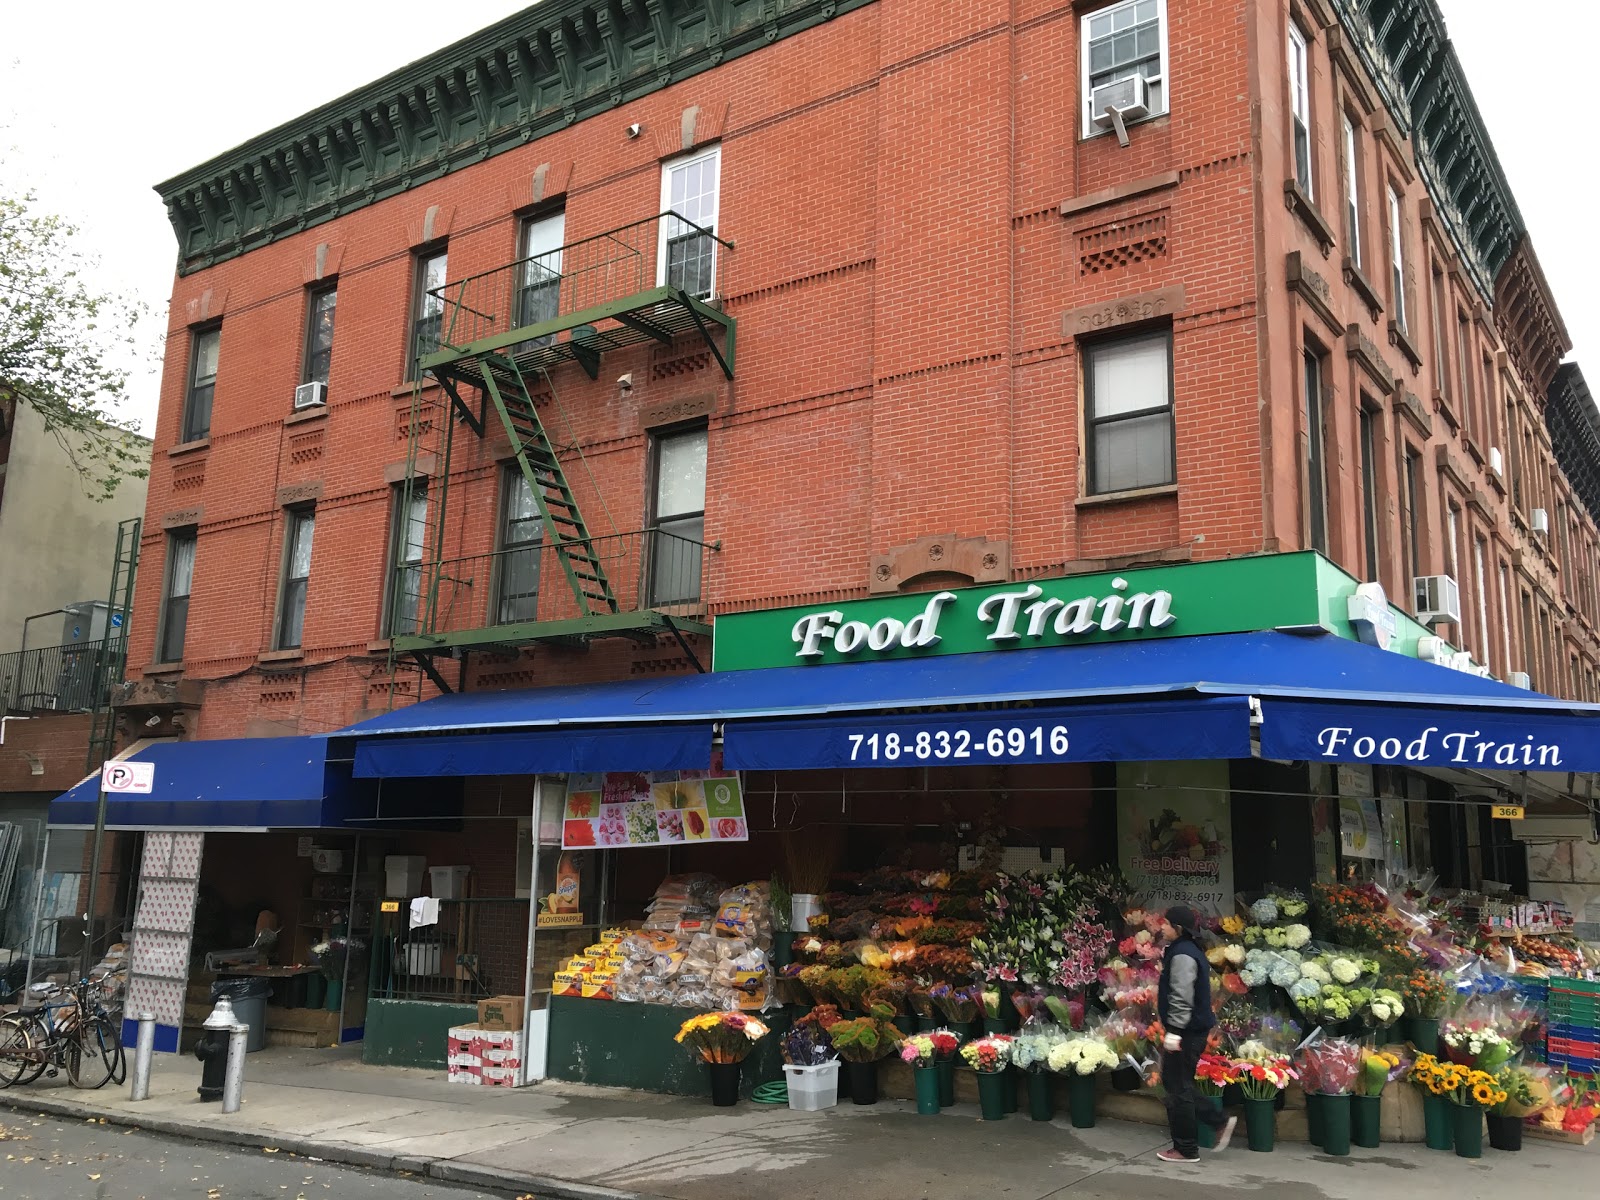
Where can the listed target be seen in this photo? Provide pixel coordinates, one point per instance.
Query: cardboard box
(468, 1077)
(462, 1039)
(499, 1039)
(500, 1076)
(1563, 1137)
(500, 1012)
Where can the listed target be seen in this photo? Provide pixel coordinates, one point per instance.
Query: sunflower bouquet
(721, 1037)
(1457, 1083)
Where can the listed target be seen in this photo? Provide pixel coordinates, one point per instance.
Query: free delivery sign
(1485, 739)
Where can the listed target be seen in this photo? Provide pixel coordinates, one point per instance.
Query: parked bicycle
(71, 1030)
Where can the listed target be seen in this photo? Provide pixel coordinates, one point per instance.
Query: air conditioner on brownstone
(1113, 105)
(1437, 598)
(310, 395)
(1497, 461)
(1520, 679)
(1539, 520)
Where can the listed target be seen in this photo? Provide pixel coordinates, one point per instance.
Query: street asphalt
(50, 1158)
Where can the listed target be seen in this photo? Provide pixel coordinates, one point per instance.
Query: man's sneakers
(1172, 1156)
(1226, 1134)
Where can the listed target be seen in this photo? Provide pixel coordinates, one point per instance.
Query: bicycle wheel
(117, 1053)
(16, 1043)
(93, 1052)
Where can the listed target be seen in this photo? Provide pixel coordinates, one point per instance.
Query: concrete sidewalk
(567, 1141)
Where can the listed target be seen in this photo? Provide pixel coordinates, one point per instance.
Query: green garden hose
(776, 1092)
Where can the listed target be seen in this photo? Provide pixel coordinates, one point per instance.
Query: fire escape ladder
(536, 459)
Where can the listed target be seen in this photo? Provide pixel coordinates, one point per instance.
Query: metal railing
(650, 569)
(606, 269)
(57, 678)
(475, 949)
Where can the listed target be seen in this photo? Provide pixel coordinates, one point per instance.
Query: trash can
(248, 996)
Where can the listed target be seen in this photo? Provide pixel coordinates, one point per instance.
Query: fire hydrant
(212, 1049)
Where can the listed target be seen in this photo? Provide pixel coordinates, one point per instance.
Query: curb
(254, 1137)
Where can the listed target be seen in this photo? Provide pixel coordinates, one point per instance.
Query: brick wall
(921, 237)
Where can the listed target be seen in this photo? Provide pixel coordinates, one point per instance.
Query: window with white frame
(677, 515)
(539, 288)
(687, 257)
(301, 522)
(521, 542)
(1120, 42)
(1352, 193)
(1128, 412)
(407, 535)
(1300, 108)
(1397, 259)
(175, 603)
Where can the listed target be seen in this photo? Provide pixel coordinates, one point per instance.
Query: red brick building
(957, 293)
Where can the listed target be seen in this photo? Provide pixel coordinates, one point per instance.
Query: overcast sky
(102, 100)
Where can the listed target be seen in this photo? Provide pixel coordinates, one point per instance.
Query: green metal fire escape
(492, 342)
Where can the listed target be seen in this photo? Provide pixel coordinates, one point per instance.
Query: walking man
(1184, 999)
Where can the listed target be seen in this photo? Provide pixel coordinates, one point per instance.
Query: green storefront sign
(1240, 595)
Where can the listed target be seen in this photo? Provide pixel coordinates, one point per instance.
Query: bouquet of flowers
(1277, 937)
(1385, 1007)
(1126, 1033)
(1213, 1073)
(1378, 1067)
(818, 980)
(1332, 1065)
(1278, 906)
(864, 1039)
(991, 1003)
(333, 955)
(1467, 1086)
(1029, 1003)
(1260, 1071)
(987, 1055)
(1082, 1054)
(852, 984)
(1480, 1047)
(807, 1046)
(1425, 993)
(1033, 1046)
(1068, 1010)
(922, 999)
(959, 1005)
(918, 1051)
(721, 1037)
(1526, 1090)
(945, 1043)
(1427, 1073)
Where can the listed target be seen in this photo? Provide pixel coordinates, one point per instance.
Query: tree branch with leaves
(63, 342)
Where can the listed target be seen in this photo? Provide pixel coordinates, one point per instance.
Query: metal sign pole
(94, 879)
(533, 933)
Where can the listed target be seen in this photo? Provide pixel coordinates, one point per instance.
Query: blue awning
(549, 751)
(235, 783)
(1431, 736)
(1274, 664)
(1194, 727)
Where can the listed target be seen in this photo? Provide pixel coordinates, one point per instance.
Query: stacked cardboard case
(488, 1053)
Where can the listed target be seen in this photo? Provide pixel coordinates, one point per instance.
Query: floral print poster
(660, 808)
(1175, 834)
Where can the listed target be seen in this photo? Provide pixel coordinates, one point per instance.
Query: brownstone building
(532, 362)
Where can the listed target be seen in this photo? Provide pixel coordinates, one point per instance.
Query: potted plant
(810, 1067)
(331, 958)
(989, 1057)
(861, 1042)
(722, 1040)
(945, 1045)
(1425, 994)
(1427, 1073)
(918, 1052)
(1080, 1058)
(1334, 1063)
(1211, 1074)
(1366, 1105)
(1526, 1095)
(1030, 1053)
(1262, 1075)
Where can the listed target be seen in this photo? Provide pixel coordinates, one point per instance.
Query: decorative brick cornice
(1525, 313)
(1406, 50)
(543, 69)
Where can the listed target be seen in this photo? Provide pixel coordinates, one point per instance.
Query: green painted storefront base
(611, 1044)
(411, 1033)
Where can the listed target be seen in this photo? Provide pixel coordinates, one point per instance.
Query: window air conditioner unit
(1125, 98)
(1540, 520)
(1520, 679)
(1437, 599)
(1497, 461)
(310, 395)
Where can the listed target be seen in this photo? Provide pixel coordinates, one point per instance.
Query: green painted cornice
(1405, 48)
(541, 70)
